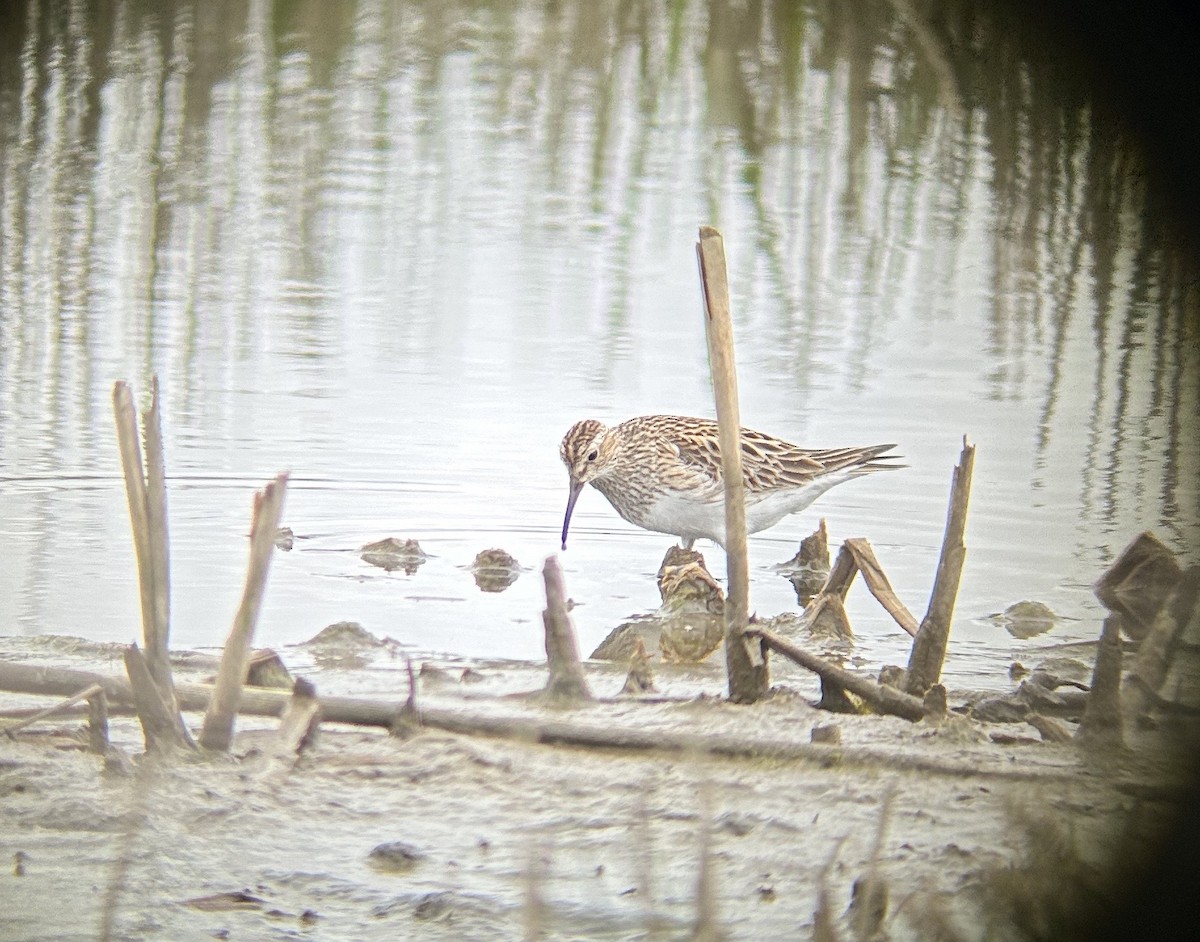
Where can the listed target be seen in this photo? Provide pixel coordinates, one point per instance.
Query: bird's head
(587, 450)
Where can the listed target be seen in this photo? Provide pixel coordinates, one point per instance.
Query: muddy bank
(504, 834)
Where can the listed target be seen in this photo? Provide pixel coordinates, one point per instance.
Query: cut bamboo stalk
(408, 719)
(1138, 582)
(929, 646)
(63, 682)
(217, 732)
(746, 667)
(566, 681)
(826, 617)
(881, 698)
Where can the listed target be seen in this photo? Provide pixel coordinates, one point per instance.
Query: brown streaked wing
(767, 462)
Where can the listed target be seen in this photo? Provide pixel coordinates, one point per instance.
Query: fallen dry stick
(57, 681)
(878, 584)
(86, 694)
(882, 699)
(826, 609)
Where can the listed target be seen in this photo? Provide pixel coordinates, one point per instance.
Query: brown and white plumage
(663, 473)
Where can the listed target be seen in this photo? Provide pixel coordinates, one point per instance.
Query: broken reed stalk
(301, 719)
(156, 522)
(566, 680)
(1100, 725)
(160, 719)
(929, 646)
(408, 718)
(1156, 653)
(145, 489)
(824, 919)
(135, 490)
(707, 927)
(744, 659)
(880, 697)
(217, 732)
(878, 585)
(856, 556)
(97, 708)
(86, 694)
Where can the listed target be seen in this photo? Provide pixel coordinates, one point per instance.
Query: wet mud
(445, 836)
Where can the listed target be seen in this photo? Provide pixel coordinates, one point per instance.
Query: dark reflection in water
(400, 247)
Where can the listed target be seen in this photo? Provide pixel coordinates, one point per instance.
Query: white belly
(690, 518)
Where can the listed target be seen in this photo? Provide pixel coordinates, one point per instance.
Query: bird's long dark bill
(576, 487)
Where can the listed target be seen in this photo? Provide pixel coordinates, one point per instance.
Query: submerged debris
(828, 733)
(344, 634)
(264, 668)
(1026, 619)
(689, 625)
(392, 554)
(495, 570)
(690, 588)
(1040, 693)
(345, 645)
(1138, 583)
(809, 568)
(640, 678)
(395, 857)
(233, 901)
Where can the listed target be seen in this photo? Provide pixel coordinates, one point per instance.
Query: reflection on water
(398, 248)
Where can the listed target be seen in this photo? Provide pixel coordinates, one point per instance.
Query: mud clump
(395, 857)
(688, 627)
(1026, 619)
(640, 678)
(345, 645)
(809, 568)
(495, 570)
(266, 669)
(392, 554)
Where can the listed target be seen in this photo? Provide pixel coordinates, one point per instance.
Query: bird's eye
(592, 455)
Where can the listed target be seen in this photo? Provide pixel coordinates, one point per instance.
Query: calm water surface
(398, 248)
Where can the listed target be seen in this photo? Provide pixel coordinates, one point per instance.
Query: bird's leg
(687, 544)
